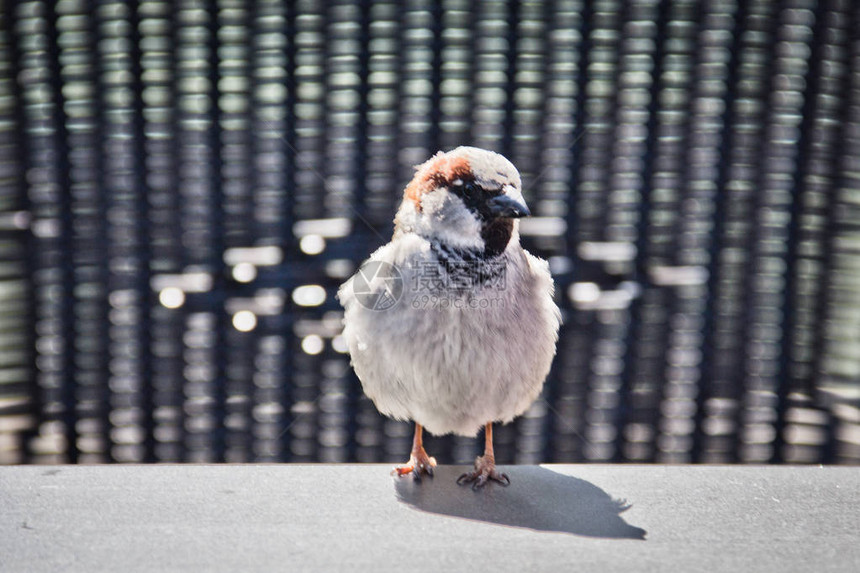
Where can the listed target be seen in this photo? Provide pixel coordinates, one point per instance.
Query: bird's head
(465, 198)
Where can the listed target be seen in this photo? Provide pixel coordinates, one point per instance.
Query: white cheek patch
(445, 217)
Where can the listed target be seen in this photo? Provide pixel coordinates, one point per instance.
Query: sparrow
(452, 324)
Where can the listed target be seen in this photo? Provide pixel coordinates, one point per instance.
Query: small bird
(452, 324)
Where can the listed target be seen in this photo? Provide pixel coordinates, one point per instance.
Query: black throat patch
(497, 234)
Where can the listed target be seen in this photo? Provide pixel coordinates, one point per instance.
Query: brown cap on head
(441, 170)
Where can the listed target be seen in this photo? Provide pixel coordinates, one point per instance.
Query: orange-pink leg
(485, 466)
(419, 462)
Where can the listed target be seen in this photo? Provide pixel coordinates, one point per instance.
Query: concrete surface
(348, 517)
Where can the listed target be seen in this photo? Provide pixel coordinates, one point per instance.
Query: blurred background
(185, 183)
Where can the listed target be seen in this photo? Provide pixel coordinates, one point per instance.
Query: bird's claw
(485, 472)
(479, 480)
(421, 468)
(419, 463)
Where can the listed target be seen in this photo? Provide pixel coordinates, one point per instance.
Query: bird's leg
(419, 462)
(485, 466)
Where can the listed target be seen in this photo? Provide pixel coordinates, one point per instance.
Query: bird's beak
(504, 206)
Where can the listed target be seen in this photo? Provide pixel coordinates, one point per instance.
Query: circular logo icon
(377, 285)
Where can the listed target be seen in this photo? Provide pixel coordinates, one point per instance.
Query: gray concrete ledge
(357, 517)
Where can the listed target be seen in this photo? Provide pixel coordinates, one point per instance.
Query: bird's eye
(470, 190)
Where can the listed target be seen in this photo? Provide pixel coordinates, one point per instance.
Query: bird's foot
(485, 471)
(419, 463)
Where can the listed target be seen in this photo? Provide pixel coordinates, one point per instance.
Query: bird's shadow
(538, 499)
